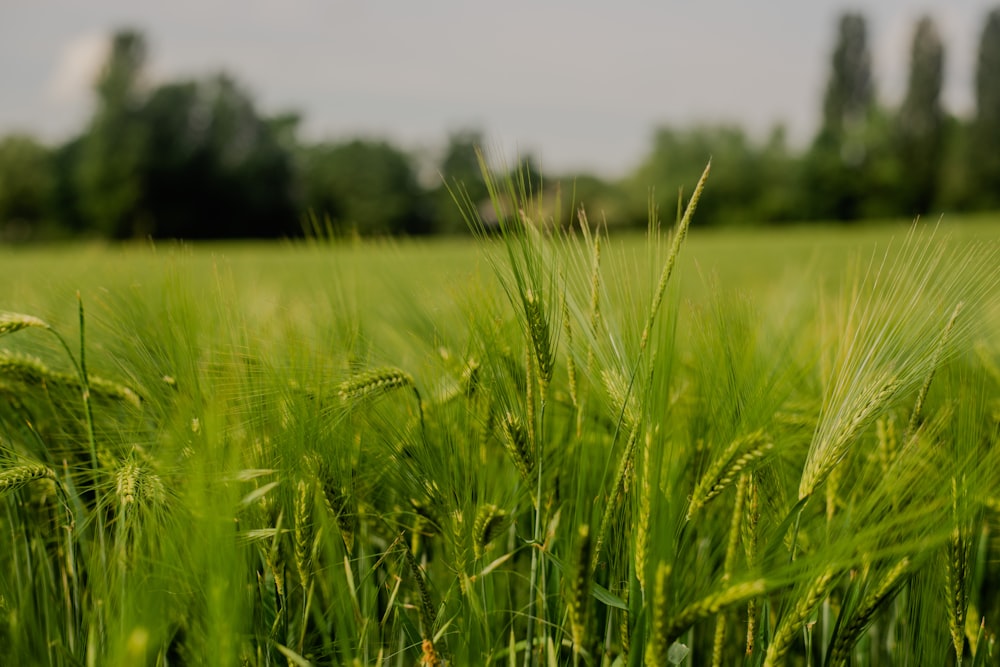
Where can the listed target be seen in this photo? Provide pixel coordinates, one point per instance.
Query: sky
(580, 84)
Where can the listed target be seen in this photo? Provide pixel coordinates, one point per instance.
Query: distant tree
(834, 172)
(920, 124)
(605, 202)
(984, 163)
(111, 161)
(849, 92)
(27, 182)
(678, 158)
(215, 168)
(460, 175)
(367, 187)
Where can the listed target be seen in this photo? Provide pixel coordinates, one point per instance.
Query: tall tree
(216, 168)
(109, 173)
(834, 171)
(984, 164)
(365, 187)
(921, 120)
(461, 177)
(849, 93)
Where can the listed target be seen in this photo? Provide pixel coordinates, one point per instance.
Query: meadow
(545, 446)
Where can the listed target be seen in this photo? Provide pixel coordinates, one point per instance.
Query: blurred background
(268, 119)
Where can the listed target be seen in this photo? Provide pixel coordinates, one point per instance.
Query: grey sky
(580, 83)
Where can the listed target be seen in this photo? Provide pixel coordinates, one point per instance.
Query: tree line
(196, 159)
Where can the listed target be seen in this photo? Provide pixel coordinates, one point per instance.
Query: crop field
(538, 447)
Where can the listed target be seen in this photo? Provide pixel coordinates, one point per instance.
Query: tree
(364, 186)
(834, 172)
(461, 176)
(849, 93)
(27, 183)
(920, 123)
(215, 168)
(677, 160)
(110, 168)
(984, 163)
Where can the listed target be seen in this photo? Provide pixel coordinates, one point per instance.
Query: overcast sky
(582, 84)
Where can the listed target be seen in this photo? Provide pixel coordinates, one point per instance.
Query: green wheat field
(543, 446)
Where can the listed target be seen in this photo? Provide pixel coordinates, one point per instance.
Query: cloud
(78, 64)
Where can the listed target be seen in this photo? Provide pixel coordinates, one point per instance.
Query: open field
(526, 449)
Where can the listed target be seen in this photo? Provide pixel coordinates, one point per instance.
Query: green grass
(783, 451)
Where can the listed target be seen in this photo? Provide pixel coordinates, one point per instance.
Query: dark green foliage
(27, 183)
(836, 170)
(985, 129)
(109, 172)
(920, 125)
(368, 187)
(215, 168)
(849, 92)
(459, 167)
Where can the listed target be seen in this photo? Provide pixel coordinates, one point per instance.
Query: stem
(536, 535)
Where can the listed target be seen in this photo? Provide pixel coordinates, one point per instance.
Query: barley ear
(14, 478)
(518, 447)
(642, 524)
(426, 608)
(727, 568)
(617, 496)
(380, 381)
(659, 639)
(939, 350)
(579, 592)
(489, 522)
(713, 604)
(957, 573)
(679, 235)
(11, 322)
(792, 622)
(737, 457)
(539, 335)
(303, 533)
(848, 632)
